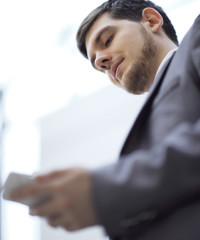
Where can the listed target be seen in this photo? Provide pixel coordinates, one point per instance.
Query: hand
(70, 205)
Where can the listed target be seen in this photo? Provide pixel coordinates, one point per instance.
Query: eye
(108, 41)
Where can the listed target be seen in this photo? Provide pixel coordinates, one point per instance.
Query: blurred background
(55, 110)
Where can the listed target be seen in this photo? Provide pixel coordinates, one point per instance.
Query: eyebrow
(105, 29)
(97, 39)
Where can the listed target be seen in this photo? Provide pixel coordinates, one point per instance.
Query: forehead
(103, 21)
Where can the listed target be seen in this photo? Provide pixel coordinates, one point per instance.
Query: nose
(103, 61)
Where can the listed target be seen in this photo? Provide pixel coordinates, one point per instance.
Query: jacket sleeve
(195, 54)
(147, 184)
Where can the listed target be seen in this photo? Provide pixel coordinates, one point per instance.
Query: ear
(152, 18)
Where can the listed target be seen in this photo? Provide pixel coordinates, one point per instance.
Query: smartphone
(17, 180)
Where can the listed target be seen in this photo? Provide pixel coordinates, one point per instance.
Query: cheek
(133, 46)
(134, 50)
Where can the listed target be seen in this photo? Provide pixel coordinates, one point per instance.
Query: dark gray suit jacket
(153, 192)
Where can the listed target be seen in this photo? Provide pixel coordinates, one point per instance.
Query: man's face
(124, 50)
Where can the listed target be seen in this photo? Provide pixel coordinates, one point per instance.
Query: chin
(132, 88)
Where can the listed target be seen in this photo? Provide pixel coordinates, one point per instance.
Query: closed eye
(109, 40)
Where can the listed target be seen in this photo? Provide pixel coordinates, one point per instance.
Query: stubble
(138, 79)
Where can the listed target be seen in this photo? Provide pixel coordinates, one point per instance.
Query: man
(153, 191)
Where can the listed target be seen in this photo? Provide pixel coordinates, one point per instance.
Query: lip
(115, 66)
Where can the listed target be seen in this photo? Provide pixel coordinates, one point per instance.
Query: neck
(166, 46)
(163, 49)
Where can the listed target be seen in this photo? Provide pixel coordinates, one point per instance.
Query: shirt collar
(169, 54)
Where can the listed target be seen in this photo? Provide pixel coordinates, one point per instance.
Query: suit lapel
(134, 134)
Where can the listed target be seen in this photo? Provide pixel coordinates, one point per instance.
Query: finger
(51, 175)
(64, 220)
(22, 191)
(34, 190)
(53, 207)
(59, 219)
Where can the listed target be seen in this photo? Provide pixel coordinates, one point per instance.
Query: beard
(138, 78)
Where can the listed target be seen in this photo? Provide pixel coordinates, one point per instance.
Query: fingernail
(32, 212)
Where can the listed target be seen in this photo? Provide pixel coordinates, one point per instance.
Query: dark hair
(122, 9)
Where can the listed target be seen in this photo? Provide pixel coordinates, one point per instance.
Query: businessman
(153, 191)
